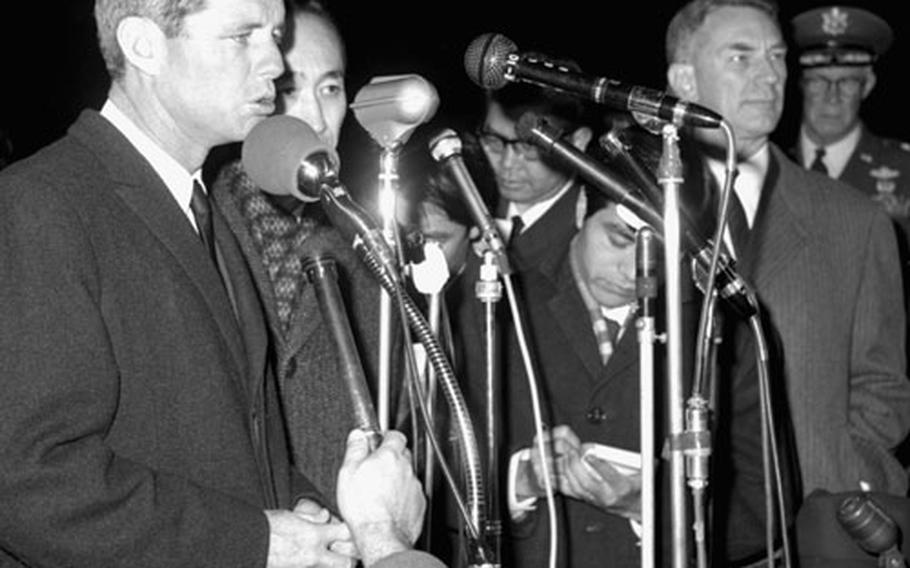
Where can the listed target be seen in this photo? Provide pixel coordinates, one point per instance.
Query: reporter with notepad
(581, 319)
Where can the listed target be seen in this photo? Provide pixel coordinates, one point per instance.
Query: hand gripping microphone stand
(390, 108)
(283, 156)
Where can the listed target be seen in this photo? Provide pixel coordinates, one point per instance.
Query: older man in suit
(140, 424)
(822, 258)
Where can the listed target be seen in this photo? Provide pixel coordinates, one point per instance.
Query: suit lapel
(143, 192)
(781, 236)
(568, 309)
(249, 309)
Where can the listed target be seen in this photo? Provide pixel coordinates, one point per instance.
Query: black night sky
(52, 69)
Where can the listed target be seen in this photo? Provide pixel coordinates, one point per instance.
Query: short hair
(566, 112)
(294, 8)
(690, 18)
(168, 14)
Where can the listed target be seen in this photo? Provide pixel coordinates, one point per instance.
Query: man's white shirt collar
(174, 175)
(532, 214)
(836, 155)
(747, 185)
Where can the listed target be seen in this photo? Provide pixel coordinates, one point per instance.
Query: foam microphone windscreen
(274, 150)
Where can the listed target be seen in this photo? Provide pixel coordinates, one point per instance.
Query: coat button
(291, 368)
(594, 528)
(596, 415)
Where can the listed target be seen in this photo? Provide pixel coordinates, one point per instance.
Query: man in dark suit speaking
(139, 423)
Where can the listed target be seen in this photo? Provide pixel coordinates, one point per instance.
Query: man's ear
(142, 43)
(870, 83)
(581, 137)
(681, 79)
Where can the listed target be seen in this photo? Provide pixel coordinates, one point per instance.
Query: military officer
(838, 47)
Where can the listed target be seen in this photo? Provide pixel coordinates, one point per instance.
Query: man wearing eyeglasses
(838, 47)
(536, 197)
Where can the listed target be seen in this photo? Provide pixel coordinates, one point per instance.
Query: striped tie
(605, 330)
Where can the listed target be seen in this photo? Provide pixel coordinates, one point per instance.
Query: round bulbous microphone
(284, 156)
(281, 155)
(492, 60)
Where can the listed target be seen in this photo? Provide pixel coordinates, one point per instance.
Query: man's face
(217, 80)
(605, 250)
(831, 100)
(520, 179)
(312, 88)
(739, 70)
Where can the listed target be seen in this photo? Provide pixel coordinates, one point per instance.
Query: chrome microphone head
(391, 107)
(486, 60)
(445, 145)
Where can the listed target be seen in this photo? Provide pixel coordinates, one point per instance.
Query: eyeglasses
(496, 143)
(846, 86)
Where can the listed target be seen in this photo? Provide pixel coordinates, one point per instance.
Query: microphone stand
(670, 178)
(388, 186)
(646, 289)
(488, 291)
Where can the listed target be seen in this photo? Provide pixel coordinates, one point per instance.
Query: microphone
(492, 60)
(390, 108)
(646, 271)
(321, 272)
(731, 287)
(872, 529)
(284, 156)
(445, 148)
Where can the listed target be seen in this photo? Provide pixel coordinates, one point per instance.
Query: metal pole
(670, 178)
(646, 287)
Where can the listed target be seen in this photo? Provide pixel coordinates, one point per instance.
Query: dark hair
(689, 19)
(316, 8)
(168, 14)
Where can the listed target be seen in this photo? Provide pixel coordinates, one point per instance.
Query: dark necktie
(202, 212)
(817, 164)
(738, 225)
(517, 226)
(606, 331)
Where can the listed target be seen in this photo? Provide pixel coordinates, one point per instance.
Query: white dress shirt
(836, 155)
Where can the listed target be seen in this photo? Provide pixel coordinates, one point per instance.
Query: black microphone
(445, 148)
(492, 60)
(284, 156)
(646, 271)
(731, 287)
(872, 529)
(323, 275)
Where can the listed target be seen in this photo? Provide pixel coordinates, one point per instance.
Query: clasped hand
(380, 500)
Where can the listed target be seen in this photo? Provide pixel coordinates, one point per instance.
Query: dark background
(52, 69)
